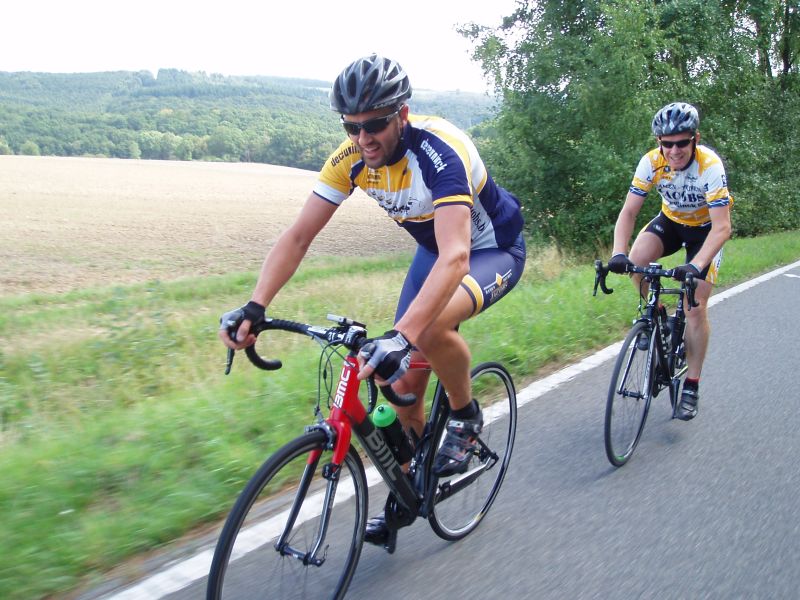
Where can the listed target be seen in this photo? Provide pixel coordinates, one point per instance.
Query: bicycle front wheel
(629, 396)
(463, 500)
(277, 543)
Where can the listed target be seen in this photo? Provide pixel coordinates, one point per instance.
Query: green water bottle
(384, 417)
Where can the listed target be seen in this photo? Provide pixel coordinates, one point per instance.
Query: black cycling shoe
(687, 407)
(459, 445)
(377, 532)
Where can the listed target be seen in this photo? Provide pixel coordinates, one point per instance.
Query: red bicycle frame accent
(347, 408)
(348, 413)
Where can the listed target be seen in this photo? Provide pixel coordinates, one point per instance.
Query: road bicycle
(653, 357)
(297, 529)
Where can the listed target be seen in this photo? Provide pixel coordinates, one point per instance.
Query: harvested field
(71, 223)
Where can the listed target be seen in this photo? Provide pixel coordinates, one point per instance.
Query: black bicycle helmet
(675, 117)
(370, 83)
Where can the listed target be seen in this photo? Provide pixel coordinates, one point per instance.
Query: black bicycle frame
(665, 360)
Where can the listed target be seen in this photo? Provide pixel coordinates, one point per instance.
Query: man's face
(678, 148)
(386, 125)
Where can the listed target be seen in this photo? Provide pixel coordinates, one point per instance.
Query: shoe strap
(456, 447)
(689, 396)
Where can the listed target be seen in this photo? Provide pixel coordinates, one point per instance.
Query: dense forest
(188, 116)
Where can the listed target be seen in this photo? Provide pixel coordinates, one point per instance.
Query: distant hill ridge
(188, 116)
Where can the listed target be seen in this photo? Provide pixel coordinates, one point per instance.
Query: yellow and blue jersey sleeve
(334, 183)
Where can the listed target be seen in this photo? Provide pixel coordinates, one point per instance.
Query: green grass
(120, 433)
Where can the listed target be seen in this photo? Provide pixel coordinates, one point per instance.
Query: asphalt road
(704, 509)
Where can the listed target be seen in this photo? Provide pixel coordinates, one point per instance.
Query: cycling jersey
(686, 194)
(436, 164)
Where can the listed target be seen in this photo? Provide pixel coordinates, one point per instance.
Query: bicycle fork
(331, 473)
(621, 388)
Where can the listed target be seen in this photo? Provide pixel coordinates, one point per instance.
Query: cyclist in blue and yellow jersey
(427, 175)
(695, 214)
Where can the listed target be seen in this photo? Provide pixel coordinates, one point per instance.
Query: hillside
(188, 116)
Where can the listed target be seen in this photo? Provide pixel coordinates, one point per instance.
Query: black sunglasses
(372, 126)
(679, 143)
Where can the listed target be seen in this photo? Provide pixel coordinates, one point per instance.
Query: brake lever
(597, 267)
(691, 287)
(372, 395)
(229, 361)
(600, 278)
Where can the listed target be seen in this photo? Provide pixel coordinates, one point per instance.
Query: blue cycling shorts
(493, 272)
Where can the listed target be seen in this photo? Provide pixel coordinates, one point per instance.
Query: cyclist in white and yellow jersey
(428, 177)
(695, 214)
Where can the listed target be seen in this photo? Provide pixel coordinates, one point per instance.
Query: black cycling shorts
(675, 236)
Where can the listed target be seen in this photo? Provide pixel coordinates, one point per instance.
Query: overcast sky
(291, 38)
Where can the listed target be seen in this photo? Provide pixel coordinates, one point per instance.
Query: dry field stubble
(73, 223)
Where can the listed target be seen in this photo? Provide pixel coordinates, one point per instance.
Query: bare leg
(647, 248)
(698, 330)
(448, 353)
(413, 382)
(449, 356)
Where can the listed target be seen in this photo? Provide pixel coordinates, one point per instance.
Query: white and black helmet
(675, 117)
(370, 83)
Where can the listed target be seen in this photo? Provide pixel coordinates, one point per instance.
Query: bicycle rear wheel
(270, 545)
(629, 396)
(463, 500)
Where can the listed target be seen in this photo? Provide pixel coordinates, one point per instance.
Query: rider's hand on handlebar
(619, 263)
(234, 325)
(387, 356)
(681, 271)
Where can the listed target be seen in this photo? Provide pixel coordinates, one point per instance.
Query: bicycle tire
(629, 396)
(453, 517)
(246, 563)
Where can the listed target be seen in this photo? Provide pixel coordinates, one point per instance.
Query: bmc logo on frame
(338, 399)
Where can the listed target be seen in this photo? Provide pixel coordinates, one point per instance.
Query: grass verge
(120, 433)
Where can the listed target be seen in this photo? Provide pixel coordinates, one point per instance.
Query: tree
(150, 143)
(226, 142)
(29, 148)
(581, 79)
(127, 149)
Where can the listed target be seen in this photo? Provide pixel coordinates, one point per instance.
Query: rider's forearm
(452, 226)
(278, 267)
(625, 223)
(439, 287)
(717, 237)
(287, 253)
(622, 233)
